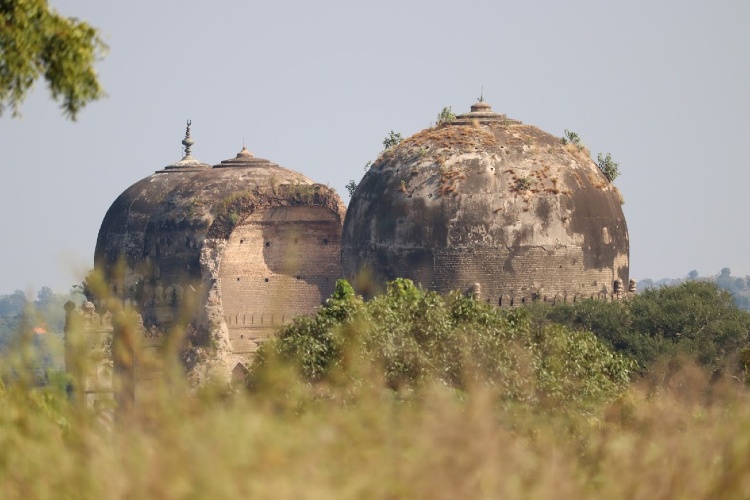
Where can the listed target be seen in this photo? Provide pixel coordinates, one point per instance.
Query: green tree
(408, 338)
(570, 137)
(608, 166)
(12, 305)
(351, 186)
(724, 279)
(695, 319)
(36, 42)
(645, 284)
(445, 116)
(44, 296)
(392, 140)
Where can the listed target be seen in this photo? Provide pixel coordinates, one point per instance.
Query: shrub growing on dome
(445, 116)
(571, 137)
(393, 139)
(351, 186)
(608, 166)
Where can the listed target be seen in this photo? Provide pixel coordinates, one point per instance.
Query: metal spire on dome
(187, 141)
(187, 162)
(481, 94)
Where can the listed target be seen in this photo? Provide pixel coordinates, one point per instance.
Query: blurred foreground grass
(678, 439)
(407, 396)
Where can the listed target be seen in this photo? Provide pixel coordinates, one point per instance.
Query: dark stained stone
(491, 202)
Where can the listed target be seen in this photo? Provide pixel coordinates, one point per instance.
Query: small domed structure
(486, 202)
(119, 245)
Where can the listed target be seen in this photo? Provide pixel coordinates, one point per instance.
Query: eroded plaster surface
(490, 201)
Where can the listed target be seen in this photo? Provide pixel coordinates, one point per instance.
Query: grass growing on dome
(450, 177)
(273, 182)
(522, 184)
(597, 180)
(302, 192)
(620, 197)
(458, 137)
(225, 203)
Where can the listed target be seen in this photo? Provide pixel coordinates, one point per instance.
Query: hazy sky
(315, 86)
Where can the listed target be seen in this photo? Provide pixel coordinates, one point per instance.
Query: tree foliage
(696, 319)
(445, 116)
(737, 286)
(14, 304)
(36, 42)
(37, 325)
(392, 140)
(351, 186)
(570, 137)
(608, 166)
(408, 338)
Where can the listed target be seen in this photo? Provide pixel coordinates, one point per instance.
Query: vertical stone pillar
(75, 355)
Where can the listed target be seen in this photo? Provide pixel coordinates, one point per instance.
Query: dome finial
(187, 162)
(481, 94)
(187, 141)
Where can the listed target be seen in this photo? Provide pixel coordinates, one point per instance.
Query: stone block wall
(505, 277)
(278, 263)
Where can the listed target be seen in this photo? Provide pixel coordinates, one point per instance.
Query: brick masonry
(279, 263)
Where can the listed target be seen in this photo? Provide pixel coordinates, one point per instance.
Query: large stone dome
(119, 245)
(489, 202)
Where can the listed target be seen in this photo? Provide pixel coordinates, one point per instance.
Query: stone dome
(122, 232)
(223, 255)
(252, 243)
(487, 203)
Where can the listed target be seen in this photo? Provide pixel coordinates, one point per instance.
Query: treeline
(412, 333)
(693, 321)
(37, 322)
(737, 286)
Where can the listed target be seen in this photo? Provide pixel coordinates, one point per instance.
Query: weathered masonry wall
(278, 263)
(505, 278)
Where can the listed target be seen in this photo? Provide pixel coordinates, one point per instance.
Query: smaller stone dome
(122, 232)
(226, 254)
(254, 243)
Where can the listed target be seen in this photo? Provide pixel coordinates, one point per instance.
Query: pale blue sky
(315, 86)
